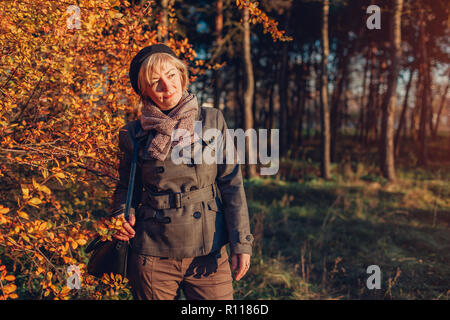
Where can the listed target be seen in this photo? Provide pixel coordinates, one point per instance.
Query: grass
(315, 239)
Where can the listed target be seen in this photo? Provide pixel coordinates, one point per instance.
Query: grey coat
(184, 210)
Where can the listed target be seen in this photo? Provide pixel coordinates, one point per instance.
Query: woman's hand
(241, 263)
(127, 232)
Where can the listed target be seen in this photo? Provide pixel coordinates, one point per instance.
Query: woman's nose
(164, 84)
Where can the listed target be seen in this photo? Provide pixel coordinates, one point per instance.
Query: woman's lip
(167, 97)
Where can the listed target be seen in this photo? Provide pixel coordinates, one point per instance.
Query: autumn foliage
(257, 16)
(64, 94)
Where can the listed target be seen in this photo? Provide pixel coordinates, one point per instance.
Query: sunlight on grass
(314, 239)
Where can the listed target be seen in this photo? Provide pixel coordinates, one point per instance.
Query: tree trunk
(413, 117)
(248, 94)
(402, 119)
(336, 112)
(276, 72)
(325, 114)
(387, 165)
(271, 113)
(219, 40)
(362, 113)
(239, 106)
(378, 101)
(441, 107)
(306, 94)
(162, 32)
(425, 99)
(309, 120)
(301, 103)
(370, 112)
(283, 92)
(430, 109)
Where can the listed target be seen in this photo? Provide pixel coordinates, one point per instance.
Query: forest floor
(314, 239)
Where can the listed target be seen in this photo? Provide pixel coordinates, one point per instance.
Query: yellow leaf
(3, 209)
(25, 192)
(45, 173)
(43, 226)
(23, 214)
(35, 201)
(81, 242)
(65, 291)
(39, 270)
(60, 182)
(60, 175)
(3, 219)
(41, 187)
(10, 288)
(10, 278)
(45, 189)
(35, 184)
(74, 245)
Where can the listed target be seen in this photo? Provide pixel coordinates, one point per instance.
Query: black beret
(135, 65)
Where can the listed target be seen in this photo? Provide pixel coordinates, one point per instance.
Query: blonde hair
(157, 60)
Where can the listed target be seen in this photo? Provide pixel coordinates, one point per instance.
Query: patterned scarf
(181, 116)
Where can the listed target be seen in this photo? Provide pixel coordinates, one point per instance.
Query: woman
(182, 215)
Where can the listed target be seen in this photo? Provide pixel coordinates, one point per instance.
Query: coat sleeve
(231, 187)
(120, 193)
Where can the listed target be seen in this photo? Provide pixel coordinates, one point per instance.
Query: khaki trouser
(204, 277)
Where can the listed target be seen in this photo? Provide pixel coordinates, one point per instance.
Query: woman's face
(165, 86)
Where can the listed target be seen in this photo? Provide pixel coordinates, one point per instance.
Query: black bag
(111, 256)
(107, 257)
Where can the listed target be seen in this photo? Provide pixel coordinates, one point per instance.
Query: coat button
(248, 238)
(160, 169)
(197, 214)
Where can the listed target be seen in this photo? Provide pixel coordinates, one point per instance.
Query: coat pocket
(215, 205)
(212, 205)
(215, 229)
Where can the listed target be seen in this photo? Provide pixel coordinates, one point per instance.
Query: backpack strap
(132, 176)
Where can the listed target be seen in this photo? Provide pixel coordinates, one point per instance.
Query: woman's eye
(172, 75)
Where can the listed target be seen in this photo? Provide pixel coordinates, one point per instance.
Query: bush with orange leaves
(259, 16)
(7, 286)
(64, 95)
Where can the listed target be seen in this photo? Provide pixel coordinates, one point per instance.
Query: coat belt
(176, 200)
